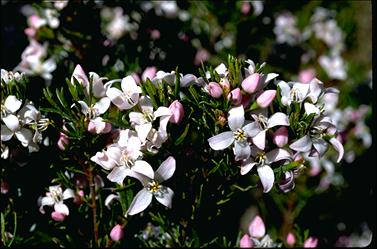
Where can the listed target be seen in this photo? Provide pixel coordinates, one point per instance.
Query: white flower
(13, 127)
(128, 97)
(123, 158)
(259, 128)
(10, 105)
(153, 187)
(55, 197)
(142, 121)
(94, 110)
(334, 66)
(263, 160)
(238, 134)
(314, 141)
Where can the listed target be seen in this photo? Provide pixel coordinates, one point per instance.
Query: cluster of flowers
(257, 237)
(19, 118)
(324, 28)
(273, 139)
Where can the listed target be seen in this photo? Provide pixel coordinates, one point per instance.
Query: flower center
(239, 135)
(262, 121)
(125, 160)
(316, 132)
(57, 194)
(128, 99)
(153, 186)
(92, 112)
(260, 158)
(148, 116)
(295, 95)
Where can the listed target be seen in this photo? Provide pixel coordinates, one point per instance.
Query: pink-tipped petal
(257, 228)
(265, 98)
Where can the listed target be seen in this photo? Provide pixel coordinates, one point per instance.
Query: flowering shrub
(109, 155)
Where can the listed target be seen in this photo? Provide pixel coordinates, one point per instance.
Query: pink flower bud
(178, 112)
(30, 32)
(63, 141)
(4, 187)
(149, 72)
(201, 56)
(155, 34)
(257, 228)
(246, 242)
(80, 76)
(57, 216)
(214, 90)
(36, 22)
(291, 239)
(305, 76)
(280, 137)
(235, 96)
(117, 233)
(245, 8)
(251, 83)
(266, 98)
(310, 242)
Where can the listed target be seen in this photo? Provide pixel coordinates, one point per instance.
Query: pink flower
(63, 141)
(215, 90)
(155, 34)
(57, 216)
(251, 83)
(4, 187)
(235, 96)
(224, 83)
(291, 239)
(201, 56)
(36, 22)
(149, 72)
(136, 78)
(245, 8)
(178, 112)
(280, 137)
(117, 233)
(310, 242)
(265, 98)
(30, 32)
(257, 228)
(306, 75)
(246, 242)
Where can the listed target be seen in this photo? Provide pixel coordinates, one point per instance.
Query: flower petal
(12, 104)
(241, 150)
(24, 136)
(141, 201)
(166, 170)
(118, 174)
(260, 140)
(68, 193)
(165, 196)
(278, 118)
(310, 108)
(321, 146)
(129, 85)
(12, 122)
(221, 141)
(339, 147)
(6, 134)
(61, 208)
(277, 155)
(102, 105)
(115, 96)
(236, 118)
(146, 104)
(143, 130)
(304, 144)
(143, 168)
(251, 129)
(46, 201)
(285, 90)
(247, 165)
(162, 111)
(267, 177)
(246, 242)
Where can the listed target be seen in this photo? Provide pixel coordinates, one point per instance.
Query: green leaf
(183, 135)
